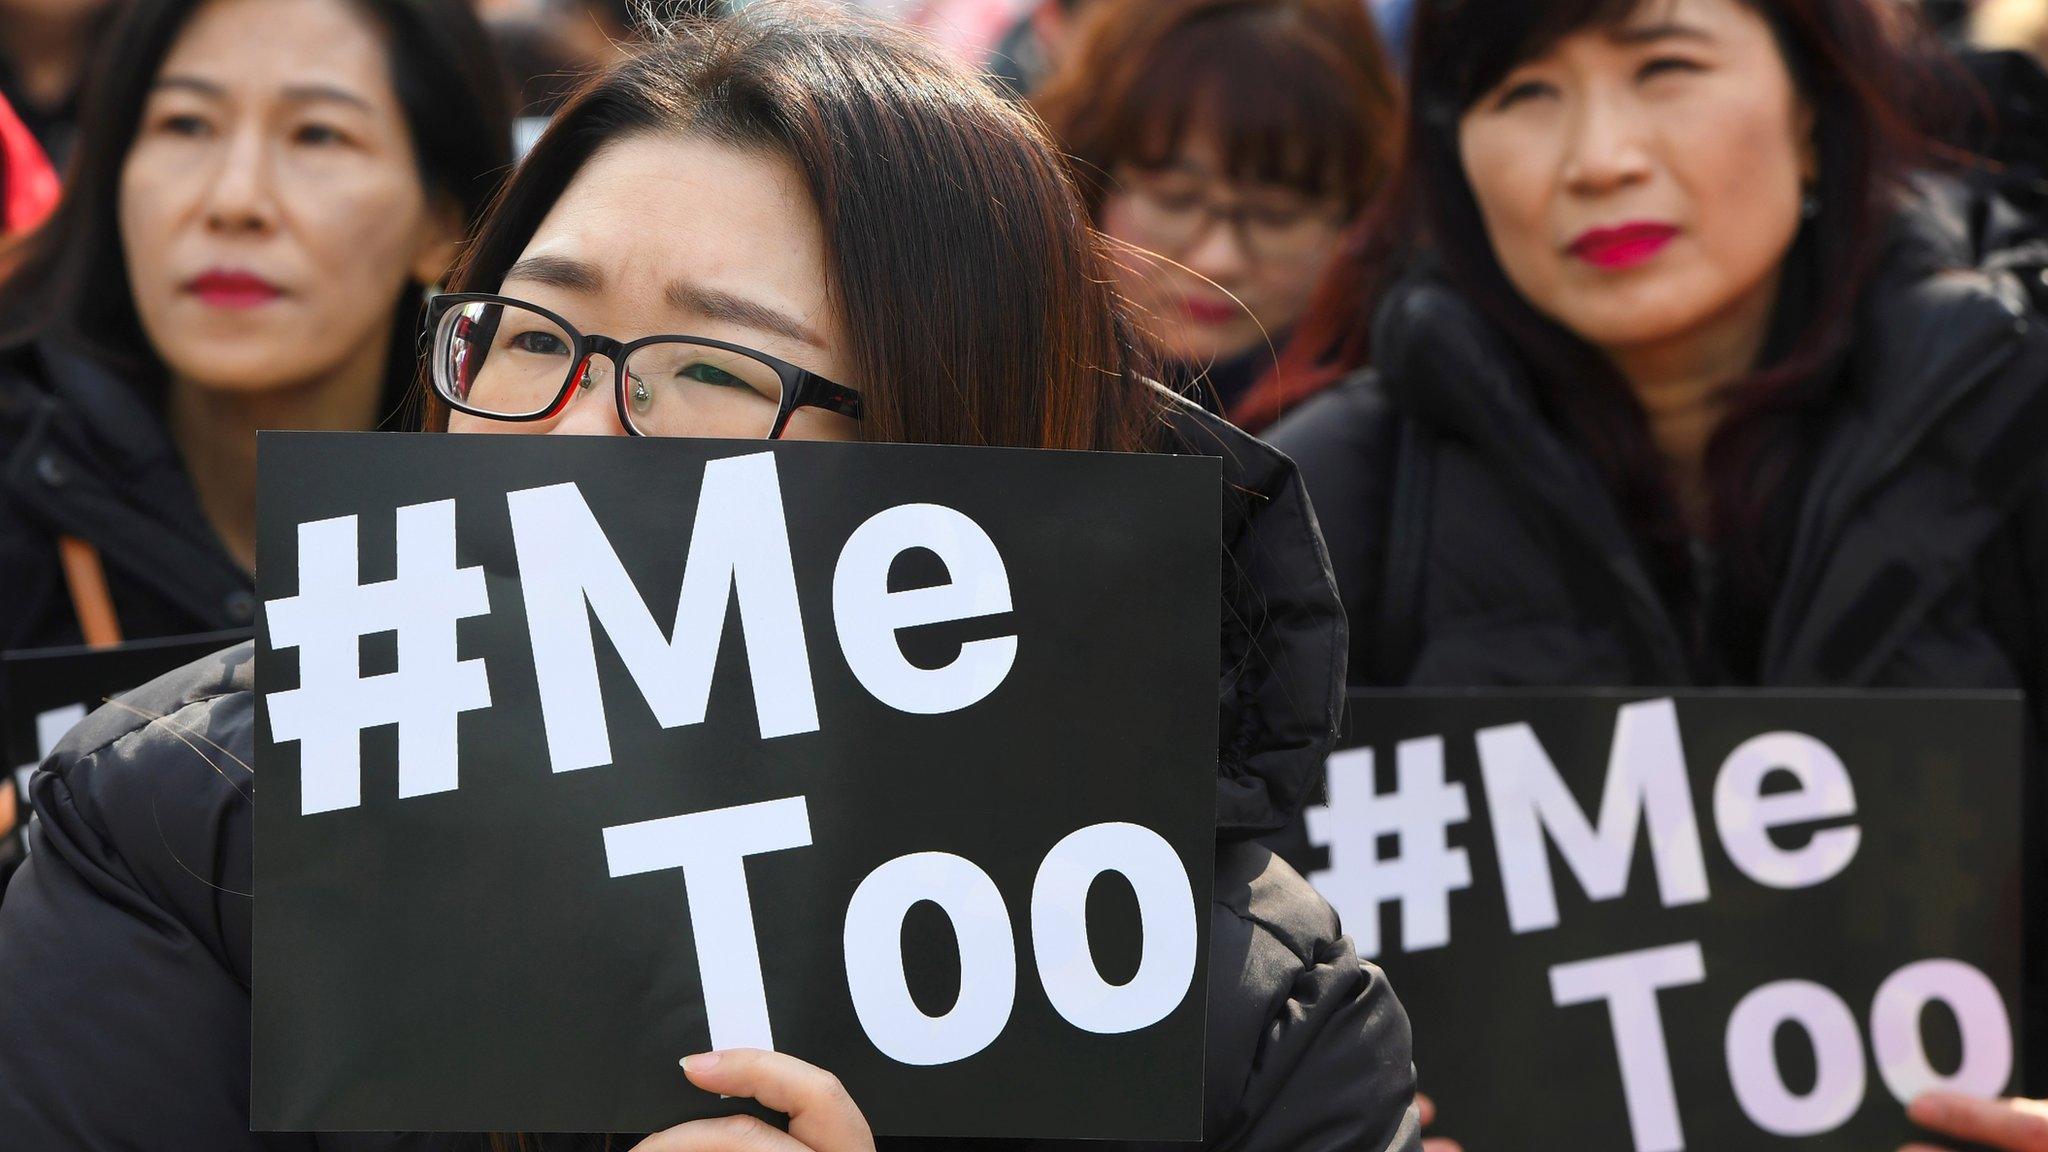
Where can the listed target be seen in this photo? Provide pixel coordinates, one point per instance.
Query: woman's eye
(1666, 65)
(709, 374)
(183, 124)
(1518, 93)
(539, 343)
(1176, 200)
(1277, 219)
(318, 134)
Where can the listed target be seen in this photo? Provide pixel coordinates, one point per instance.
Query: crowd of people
(1613, 343)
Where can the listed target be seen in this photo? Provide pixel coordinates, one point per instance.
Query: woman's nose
(242, 195)
(1605, 150)
(592, 410)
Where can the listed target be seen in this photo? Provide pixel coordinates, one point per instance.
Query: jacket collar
(1445, 367)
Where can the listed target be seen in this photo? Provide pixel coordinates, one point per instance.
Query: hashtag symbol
(1424, 870)
(334, 701)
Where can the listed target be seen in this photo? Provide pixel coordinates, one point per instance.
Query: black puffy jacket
(125, 939)
(1475, 546)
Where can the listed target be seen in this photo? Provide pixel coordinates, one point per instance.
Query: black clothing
(1475, 545)
(85, 453)
(125, 939)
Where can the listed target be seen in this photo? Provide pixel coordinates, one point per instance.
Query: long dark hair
(1859, 64)
(973, 290)
(69, 279)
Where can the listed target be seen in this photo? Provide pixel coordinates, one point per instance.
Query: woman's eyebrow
(1639, 34)
(298, 93)
(687, 297)
(562, 272)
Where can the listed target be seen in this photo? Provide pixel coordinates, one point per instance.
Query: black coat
(84, 453)
(125, 939)
(1475, 545)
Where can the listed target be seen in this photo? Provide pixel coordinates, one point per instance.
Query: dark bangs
(1297, 93)
(1478, 42)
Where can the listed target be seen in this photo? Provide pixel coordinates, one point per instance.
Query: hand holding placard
(2003, 1125)
(822, 1117)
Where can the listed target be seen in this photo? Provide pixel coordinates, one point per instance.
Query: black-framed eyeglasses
(505, 359)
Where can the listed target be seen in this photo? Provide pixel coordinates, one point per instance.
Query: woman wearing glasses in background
(264, 189)
(799, 275)
(1226, 145)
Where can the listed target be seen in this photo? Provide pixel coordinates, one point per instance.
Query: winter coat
(84, 453)
(1475, 545)
(125, 939)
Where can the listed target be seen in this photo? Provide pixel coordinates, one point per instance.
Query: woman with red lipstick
(266, 188)
(1226, 145)
(1695, 380)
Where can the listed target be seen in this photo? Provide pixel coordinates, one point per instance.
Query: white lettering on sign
(1059, 928)
(1532, 812)
(1751, 1048)
(1745, 816)
(334, 701)
(1646, 779)
(739, 545)
(1629, 984)
(868, 615)
(711, 848)
(1895, 1036)
(1424, 870)
(874, 959)
(570, 573)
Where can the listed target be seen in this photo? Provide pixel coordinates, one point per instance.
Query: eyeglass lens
(512, 362)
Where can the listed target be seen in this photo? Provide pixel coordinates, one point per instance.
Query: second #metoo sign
(1714, 921)
(579, 755)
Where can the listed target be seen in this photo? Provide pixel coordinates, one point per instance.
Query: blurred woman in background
(45, 46)
(1693, 382)
(268, 187)
(1227, 145)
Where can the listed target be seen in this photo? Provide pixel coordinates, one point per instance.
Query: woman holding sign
(852, 241)
(1693, 385)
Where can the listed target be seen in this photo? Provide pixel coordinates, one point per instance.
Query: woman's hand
(822, 1117)
(1427, 1108)
(2010, 1125)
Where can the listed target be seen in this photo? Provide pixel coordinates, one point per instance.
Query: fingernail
(702, 1062)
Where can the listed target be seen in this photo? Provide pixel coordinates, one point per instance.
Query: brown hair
(1298, 92)
(975, 294)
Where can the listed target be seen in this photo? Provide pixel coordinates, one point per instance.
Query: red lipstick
(226, 288)
(1624, 246)
(1210, 312)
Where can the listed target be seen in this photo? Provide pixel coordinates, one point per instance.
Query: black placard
(440, 943)
(1725, 912)
(49, 689)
